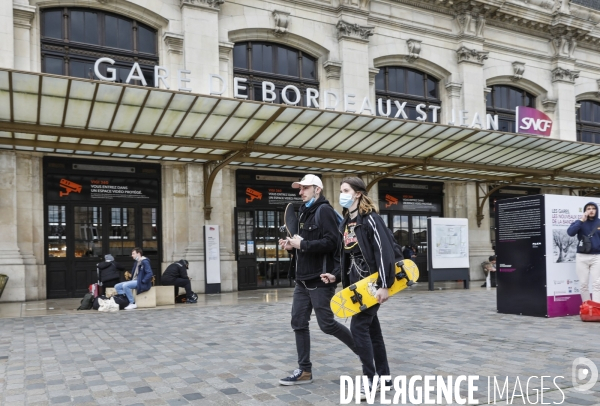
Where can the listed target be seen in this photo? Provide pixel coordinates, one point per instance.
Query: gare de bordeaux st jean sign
(531, 121)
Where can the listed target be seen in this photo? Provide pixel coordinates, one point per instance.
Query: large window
(73, 39)
(503, 101)
(278, 64)
(408, 85)
(588, 122)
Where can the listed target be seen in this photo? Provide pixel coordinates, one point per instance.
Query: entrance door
(78, 237)
(409, 229)
(272, 262)
(245, 249)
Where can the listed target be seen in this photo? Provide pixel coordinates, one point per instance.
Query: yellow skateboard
(360, 296)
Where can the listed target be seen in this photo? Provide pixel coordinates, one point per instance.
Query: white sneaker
(131, 306)
(371, 390)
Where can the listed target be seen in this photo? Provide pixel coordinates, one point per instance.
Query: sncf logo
(532, 121)
(69, 187)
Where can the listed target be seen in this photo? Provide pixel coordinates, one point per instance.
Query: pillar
(458, 203)
(201, 43)
(7, 41)
(22, 17)
(11, 260)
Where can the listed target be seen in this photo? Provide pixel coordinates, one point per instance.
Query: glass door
(272, 262)
(410, 229)
(246, 250)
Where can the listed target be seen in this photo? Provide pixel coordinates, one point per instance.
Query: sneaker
(131, 306)
(299, 377)
(191, 301)
(194, 297)
(363, 392)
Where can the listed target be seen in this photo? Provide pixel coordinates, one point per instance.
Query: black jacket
(579, 228)
(108, 271)
(320, 240)
(174, 271)
(378, 247)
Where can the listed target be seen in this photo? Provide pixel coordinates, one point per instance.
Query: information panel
(450, 242)
(212, 259)
(536, 256)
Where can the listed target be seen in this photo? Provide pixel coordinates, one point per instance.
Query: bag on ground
(87, 302)
(108, 305)
(589, 311)
(96, 304)
(121, 300)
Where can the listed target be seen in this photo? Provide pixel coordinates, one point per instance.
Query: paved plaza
(232, 349)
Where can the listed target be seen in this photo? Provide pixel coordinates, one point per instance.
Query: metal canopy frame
(64, 115)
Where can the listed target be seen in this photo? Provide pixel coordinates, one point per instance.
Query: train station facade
(137, 123)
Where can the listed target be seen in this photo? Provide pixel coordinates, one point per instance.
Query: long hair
(365, 204)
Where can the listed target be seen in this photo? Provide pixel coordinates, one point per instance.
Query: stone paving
(234, 354)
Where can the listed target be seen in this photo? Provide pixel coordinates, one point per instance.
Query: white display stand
(448, 250)
(212, 259)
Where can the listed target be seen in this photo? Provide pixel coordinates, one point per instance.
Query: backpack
(338, 216)
(121, 300)
(87, 302)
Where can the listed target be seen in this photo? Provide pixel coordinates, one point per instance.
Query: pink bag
(94, 289)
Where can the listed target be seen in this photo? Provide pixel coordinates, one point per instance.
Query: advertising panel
(450, 242)
(563, 284)
(255, 189)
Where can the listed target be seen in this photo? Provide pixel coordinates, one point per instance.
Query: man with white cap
(315, 246)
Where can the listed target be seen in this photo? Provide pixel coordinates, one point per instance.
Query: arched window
(278, 64)
(588, 122)
(408, 85)
(73, 39)
(503, 101)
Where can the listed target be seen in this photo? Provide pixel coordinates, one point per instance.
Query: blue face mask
(345, 200)
(310, 202)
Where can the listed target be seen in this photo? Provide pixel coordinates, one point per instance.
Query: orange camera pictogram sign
(252, 195)
(69, 187)
(390, 201)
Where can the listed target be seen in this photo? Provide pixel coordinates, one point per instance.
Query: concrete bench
(156, 296)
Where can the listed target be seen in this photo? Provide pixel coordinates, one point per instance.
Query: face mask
(345, 200)
(310, 202)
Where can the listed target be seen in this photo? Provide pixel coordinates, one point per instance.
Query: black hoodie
(174, 271)
(587, 227)
(320, 240)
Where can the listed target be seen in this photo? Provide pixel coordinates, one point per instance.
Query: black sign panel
(402, 195)
(102, 188)
(521, 262)
(266, 189)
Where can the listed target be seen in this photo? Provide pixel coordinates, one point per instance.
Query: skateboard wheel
(363, 308)
(352, 287)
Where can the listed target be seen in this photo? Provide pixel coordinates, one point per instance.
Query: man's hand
(584, 217)
(285, 244)
(294, 242)
(382, 295)
(327, 278)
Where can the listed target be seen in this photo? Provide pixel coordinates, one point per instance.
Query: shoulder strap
(596, 223)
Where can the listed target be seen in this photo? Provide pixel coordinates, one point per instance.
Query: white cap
(308, 180)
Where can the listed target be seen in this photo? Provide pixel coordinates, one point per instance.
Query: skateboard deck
(361, 295)
(291, 220)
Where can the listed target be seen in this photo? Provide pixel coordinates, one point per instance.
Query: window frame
(585, 125)
(412, 100)
(74, 51)
(255, 77)
(507, 115)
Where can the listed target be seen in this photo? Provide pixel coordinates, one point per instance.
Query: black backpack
(87, 302)
(121, 300)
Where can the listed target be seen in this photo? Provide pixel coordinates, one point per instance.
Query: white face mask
(346, 200)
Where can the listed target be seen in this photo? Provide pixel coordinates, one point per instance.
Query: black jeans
(303, 303)
(181, 283)
(369, 342)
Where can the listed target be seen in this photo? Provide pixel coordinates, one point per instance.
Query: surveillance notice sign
(92, 188)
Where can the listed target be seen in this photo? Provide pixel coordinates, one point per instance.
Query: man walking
(315, 245)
